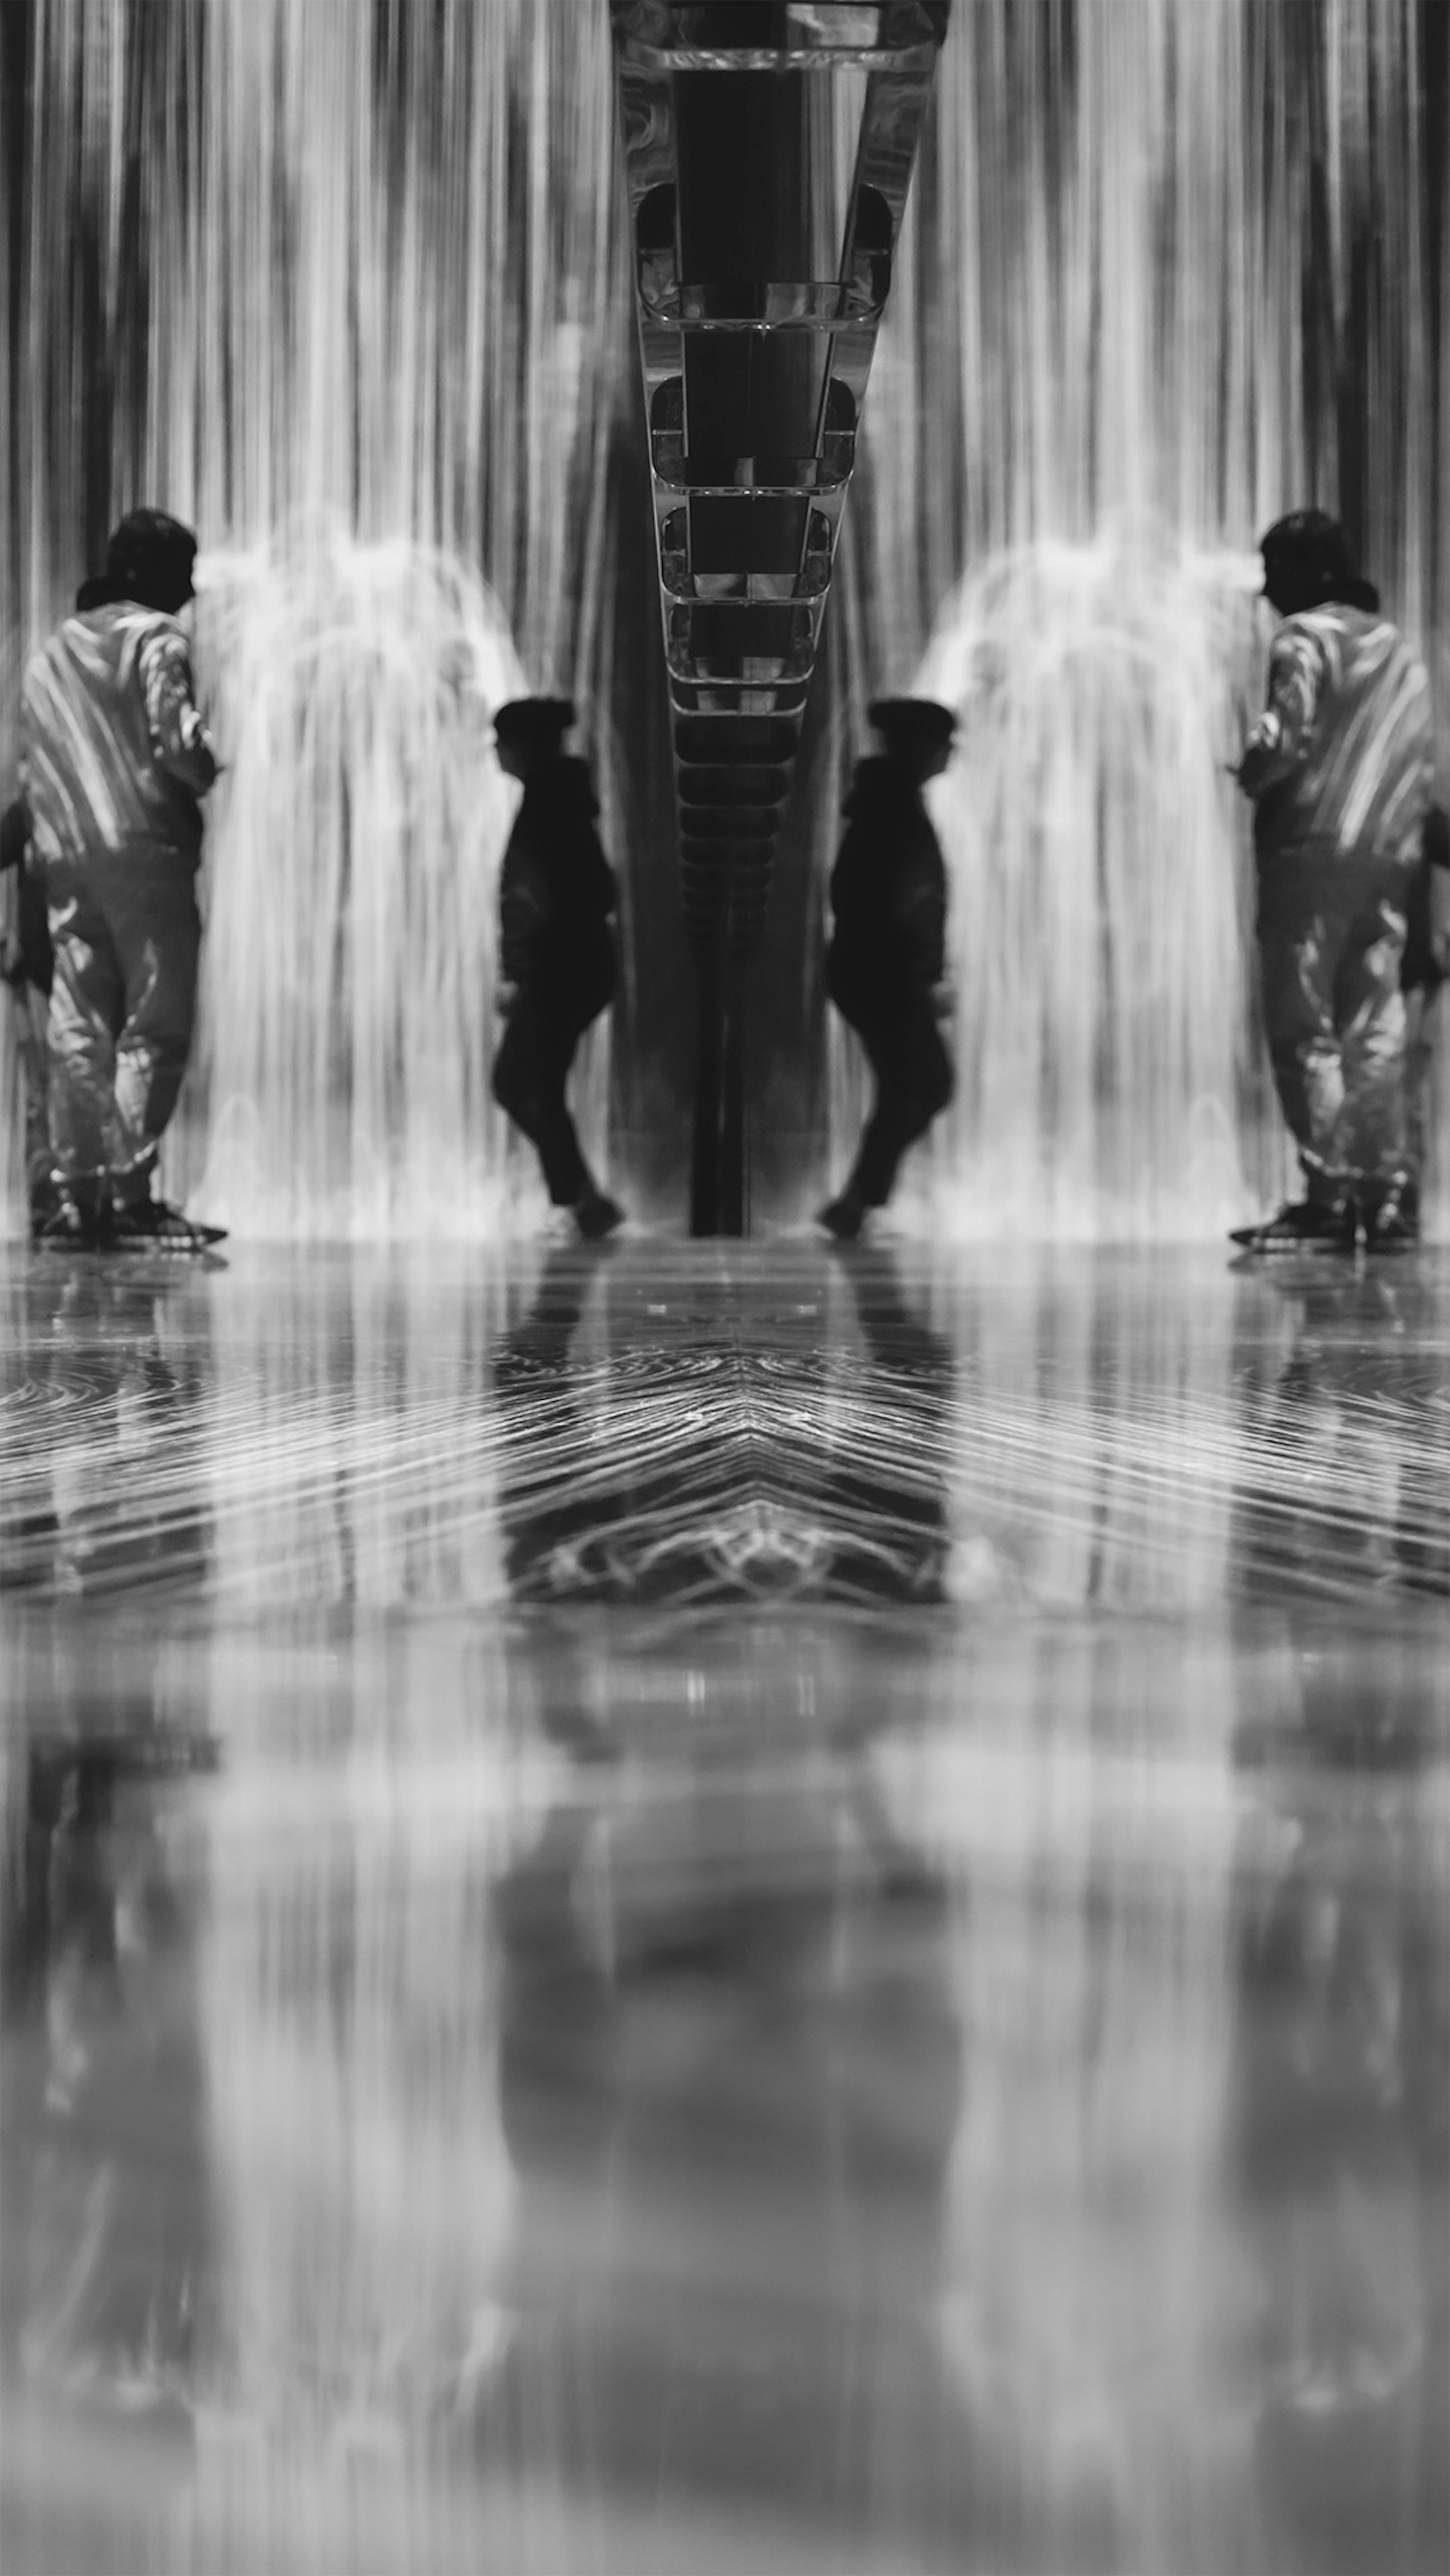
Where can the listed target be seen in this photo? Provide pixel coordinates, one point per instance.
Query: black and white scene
(725, 1287)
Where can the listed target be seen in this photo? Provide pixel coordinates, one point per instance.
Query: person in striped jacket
(115, 758)
(1339, 770)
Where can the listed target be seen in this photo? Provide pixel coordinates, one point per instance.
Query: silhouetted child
(557, 951)
(886, 960)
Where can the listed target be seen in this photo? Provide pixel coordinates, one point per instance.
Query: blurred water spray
(1101, 903)
(347, 1026)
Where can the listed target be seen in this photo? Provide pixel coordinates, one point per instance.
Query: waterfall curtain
(272, 263)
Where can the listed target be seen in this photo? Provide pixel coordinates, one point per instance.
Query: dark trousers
(1331, 933)
(897, 1026)
(127, 938)
(530, 1073)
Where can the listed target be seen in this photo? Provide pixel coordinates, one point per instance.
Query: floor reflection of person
(557, 951)
(729, 2078)
(1424, 970)
(1344, 1489)
(104, 2087)
(1338, 768)
(548, 1508)
(115, 760)
(97, 1495)
(27, 966)
(883, 1494)
(886, 962)
(1340, 2141)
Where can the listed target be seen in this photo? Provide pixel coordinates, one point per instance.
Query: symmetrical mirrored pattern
(727, 1906)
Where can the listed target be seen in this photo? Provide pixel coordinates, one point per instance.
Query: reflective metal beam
(768, 148)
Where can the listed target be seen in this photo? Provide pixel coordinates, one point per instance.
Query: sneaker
(1393, 1228)
(596, 1216)
(1304, 1225)
(71, 1227)
(150, 1225)
(843, 1217)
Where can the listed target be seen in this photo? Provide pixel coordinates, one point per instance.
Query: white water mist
(1101, 904)
(347, 1025)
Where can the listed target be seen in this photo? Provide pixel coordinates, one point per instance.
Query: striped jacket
(114, 753)
(1340, 760)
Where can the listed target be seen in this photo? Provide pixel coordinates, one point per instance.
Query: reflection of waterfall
(1166, 266)
(338, 284)
(364, 2192)
(1090, 1834)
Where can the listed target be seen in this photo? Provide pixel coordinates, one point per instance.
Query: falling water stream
(344, 285)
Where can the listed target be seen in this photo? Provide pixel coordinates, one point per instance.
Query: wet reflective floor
(725, 1908)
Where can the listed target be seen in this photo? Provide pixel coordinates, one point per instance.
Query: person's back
(887, 955)
(888, 886)
(556, 888)
(557, 960)
(1339, 770)
(114, 756)
(1353, 760)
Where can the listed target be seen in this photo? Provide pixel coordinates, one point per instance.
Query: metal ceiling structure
(768, 149)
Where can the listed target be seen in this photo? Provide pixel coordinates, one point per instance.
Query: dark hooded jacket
(888, 886)
(557, 890)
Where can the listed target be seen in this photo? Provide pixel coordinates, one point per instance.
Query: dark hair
(1310, 554)
(912, 724)
(146, 554)
(528, 722)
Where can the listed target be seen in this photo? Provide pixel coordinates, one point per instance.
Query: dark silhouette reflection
(549, 1505)
(106, 2240)
(729, 2081)
(882, 1492)
(713, 1467)
(103, 1488)
(1340, 2110)
(1344, 1483)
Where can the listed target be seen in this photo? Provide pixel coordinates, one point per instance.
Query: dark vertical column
(763, 238)
(718, 1177)
(15, 58)
(1435, 79)
(741, 221)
